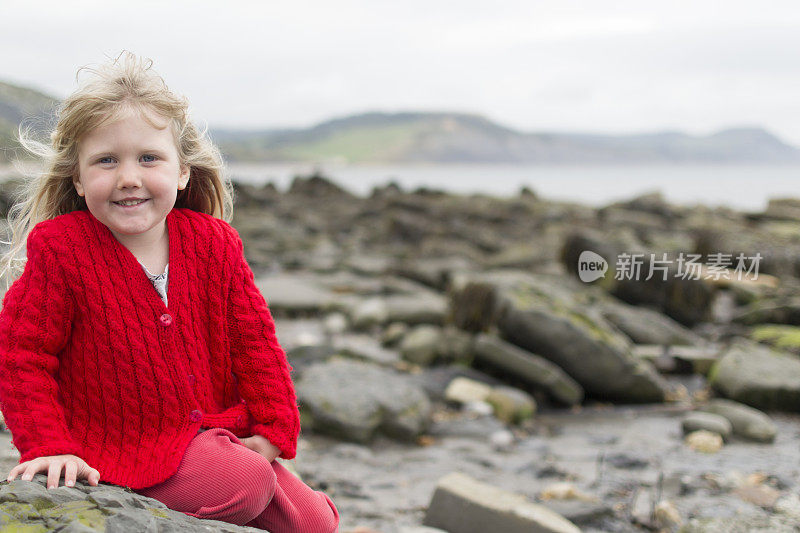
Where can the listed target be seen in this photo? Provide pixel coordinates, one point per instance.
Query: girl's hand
(259, 444)
(76, 468)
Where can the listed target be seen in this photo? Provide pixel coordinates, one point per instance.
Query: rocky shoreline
(447, 356)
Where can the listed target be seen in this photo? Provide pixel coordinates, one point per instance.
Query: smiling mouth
(130, 204)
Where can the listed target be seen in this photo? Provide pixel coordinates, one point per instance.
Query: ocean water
(744, 187)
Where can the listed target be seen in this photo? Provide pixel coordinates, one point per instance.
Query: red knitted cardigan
(92, 363)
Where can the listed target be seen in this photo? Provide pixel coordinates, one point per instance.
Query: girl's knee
(324, 517)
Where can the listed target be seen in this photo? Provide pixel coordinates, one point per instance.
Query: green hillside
(21, 105)
(428, 137)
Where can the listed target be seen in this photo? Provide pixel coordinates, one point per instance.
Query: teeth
(131, 202)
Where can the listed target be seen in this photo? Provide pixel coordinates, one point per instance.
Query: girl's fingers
(30, 470)
(54, 473)
(70, 473)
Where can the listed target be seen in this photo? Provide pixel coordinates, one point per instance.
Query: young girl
(135, 347)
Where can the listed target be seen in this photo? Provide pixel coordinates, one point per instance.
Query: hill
(409, 137)
(18, 104)
(464, 138)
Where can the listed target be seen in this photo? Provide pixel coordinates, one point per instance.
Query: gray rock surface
(746, 422)
(462, 504)
(352, 400)
(708, 421)
(30, 506)
(752, 374)
(592, 353)
(645, 326)
(529, 367)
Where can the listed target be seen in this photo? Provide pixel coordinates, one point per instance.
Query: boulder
(462, 504)
(582, 345)
(746, 422)
(754, 375)
(553, 317)
(30, 506)
(709, 422)
(352, 400)
(511, 405)
(530, 368)
(645, 326)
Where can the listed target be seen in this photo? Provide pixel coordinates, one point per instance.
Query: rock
(394, 333)
(771, 312)
(667, 515)
(318, 186)
(463, 390)
(425, 345)
(747, 423)
(300, 293)
(471, 427)
(30, 506)
(352, 400)
(335, 323)
(685, 300)
(434, 380)
(741, 523)
(783, 209)
(709, 422)
(704, 441)
(531, 368)
(502, 440)
(420, 345)
(478, 407)
(587, 349)
(421, 529)
(462, 504)
(413, 309)
(511, 405)
(364, 347)
(303, 356)
(455, 346)
(370, 312)
(761, 495)
(699, 359)
(581, 511)
(563, 490)
(645, 326)
(758, 376)
(368, 264)
(434, 272)
(778, 336)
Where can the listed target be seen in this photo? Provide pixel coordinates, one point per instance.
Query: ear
(183, 180)
(78, 186)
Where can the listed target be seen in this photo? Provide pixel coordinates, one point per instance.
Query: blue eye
(149, 155)
(105, 160)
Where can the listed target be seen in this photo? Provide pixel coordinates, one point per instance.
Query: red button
(196, 415)
(165, 319)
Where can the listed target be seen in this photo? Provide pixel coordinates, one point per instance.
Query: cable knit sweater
(93, 363)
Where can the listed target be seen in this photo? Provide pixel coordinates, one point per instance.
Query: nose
(128, 175)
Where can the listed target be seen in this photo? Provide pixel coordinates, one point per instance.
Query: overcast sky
(552, 65)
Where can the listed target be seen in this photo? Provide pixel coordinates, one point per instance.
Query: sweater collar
(133, 267)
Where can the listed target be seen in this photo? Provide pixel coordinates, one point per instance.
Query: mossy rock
(778, 336)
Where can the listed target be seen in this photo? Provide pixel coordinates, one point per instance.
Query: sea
(742, 187)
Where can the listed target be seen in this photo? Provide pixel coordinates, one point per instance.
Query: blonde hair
(116, 87)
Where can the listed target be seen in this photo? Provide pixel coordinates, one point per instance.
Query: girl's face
(130, 159)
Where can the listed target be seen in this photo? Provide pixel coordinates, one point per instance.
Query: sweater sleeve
(259, 362)
(35, 324)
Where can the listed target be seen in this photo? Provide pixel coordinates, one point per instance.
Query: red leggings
(219, 478)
